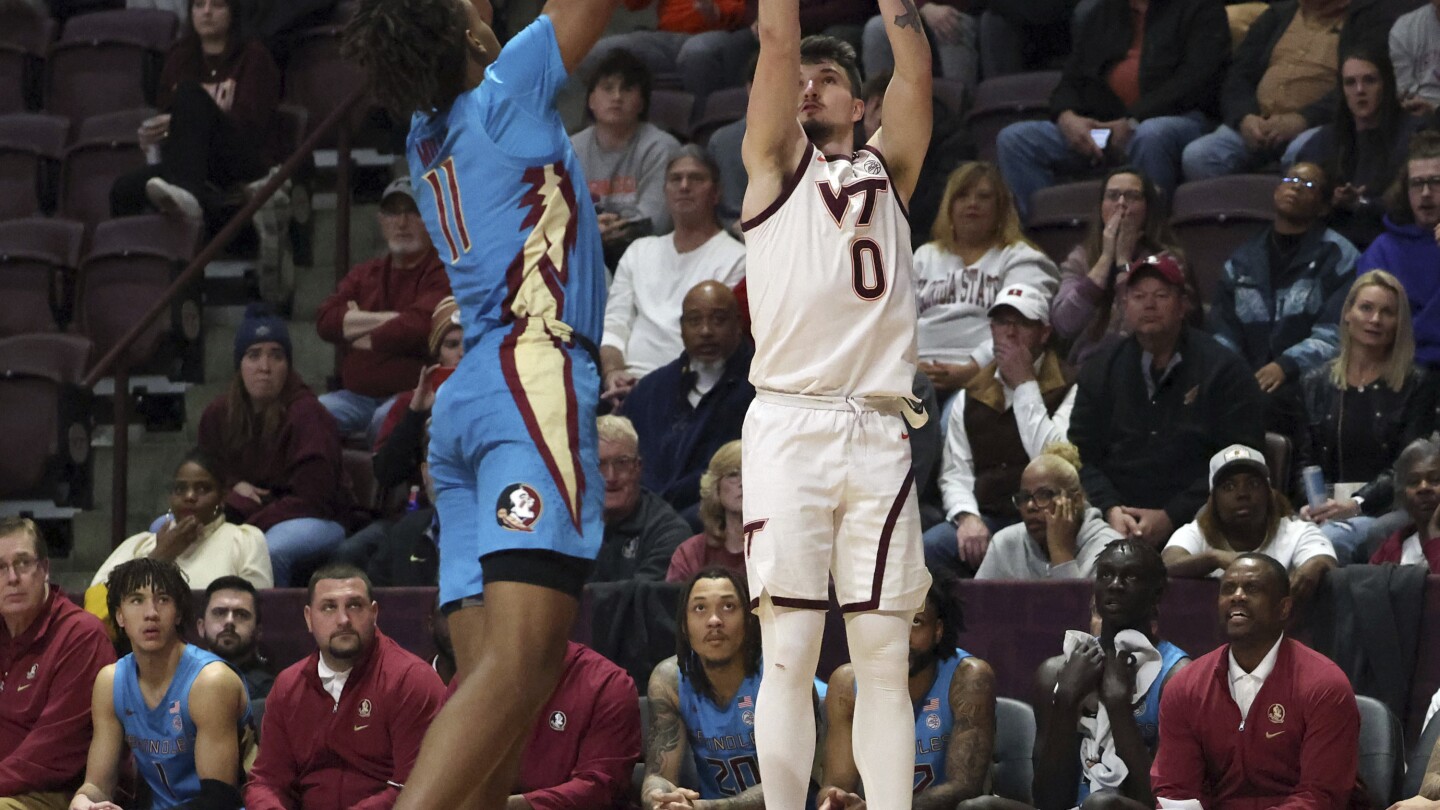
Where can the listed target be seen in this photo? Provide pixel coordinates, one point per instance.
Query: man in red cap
(1153, 408)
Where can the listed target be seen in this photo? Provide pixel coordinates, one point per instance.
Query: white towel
(1102, 765)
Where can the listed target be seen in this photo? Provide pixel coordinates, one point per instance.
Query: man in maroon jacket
(343, 727)
(379, 317)
(50, 651)
(1264, 721)
(585, 743)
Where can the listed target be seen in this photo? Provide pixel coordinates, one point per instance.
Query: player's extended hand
(833, 798)
(973, 538)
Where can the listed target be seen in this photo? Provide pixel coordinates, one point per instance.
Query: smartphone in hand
(1101, 137)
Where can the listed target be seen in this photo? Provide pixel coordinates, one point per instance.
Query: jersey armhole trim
(874, 150)
(785, 191)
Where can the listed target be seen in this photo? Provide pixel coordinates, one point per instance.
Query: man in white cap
(379, 317)
(1011, 409)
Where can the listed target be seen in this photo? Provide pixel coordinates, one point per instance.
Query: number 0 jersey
(505, 201)
(828, 273)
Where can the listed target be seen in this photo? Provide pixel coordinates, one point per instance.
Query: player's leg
(884, 743)
(784, 708)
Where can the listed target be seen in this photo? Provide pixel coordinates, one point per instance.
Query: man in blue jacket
(685, 410)
(1410, 246)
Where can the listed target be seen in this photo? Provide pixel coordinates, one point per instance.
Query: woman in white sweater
(977, 251)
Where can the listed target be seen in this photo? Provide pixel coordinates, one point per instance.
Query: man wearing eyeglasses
(641, 530)
(1152, 409)
(1280, 296)
(1410, 246)
(688, 408)
(50, 652)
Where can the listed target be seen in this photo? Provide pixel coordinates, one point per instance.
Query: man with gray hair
(641, 530)
(642, 318)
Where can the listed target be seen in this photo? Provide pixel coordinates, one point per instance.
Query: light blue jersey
(163, 738)
(722, 740)
(933, 721)
(1147, 714)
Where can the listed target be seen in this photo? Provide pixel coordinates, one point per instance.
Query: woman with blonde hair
(722, 543)
(1362, 409)
(977, 250)
(1060, 534)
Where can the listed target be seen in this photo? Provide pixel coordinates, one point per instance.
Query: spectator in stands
(643, 324)
(411, 408)
(217, 93)
(1059, 535)
(1362, 149)
(1415, 49)
(724, 151)
(623, 155)
(375, 698)
(1278, 87)
(195, 535)
(403, 551)
(1410, 246)
(1418, 473)
(955, 35)
(279, 449)
(1150, 410)
(1214, 713)
(379, 317)
(1121, 675)
(977, 250)
(707, 45)
(954, 695)
(1013, 407)
(1029, 34)
(51, 651)
(685, 410)
(641, 530)
(1089, 310)
(229, 626)
(1389, 401)
(190, 754)
(1246, 513)
(722, 542)
(1280, 295)
(1146, 75)
(701, 697)
(1429, 796)
(585, 743)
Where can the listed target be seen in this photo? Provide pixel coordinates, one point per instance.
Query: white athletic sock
(785, 709)
(884, 730)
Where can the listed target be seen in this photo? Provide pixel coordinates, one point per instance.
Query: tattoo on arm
(665, 737)
(911, 17)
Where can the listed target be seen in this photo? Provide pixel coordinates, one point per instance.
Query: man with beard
(702, 701)
(229, 626)
(953, 693)
(343, 726)
(1263, 721)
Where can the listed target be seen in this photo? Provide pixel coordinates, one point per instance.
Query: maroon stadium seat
(672, 111)
(47, 419)
(720, 108)
(24, 40)
(1060, 216)
(1003, 100)
(318, 79)
(105, 147)
(38, 258)
(31, 147)
(1212, 218)
(107, 61)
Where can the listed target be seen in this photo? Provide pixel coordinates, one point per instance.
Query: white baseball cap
(1024, 299)
(400, 185)
(1238, 455)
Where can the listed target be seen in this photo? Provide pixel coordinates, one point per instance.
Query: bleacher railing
(114, 362)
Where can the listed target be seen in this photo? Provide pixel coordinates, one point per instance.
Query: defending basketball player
(513, 442)
(826, 457)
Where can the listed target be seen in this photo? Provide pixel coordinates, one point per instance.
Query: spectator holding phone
(1138, 91)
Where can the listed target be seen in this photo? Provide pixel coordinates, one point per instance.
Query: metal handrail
(113, 359)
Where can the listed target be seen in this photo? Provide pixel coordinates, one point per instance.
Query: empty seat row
(40, 173)
(48, 419)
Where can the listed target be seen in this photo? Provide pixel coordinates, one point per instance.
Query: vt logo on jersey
(838, 202)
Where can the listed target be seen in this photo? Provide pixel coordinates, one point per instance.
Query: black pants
(205, 154)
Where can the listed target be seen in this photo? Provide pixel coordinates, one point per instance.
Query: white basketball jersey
(828, 274)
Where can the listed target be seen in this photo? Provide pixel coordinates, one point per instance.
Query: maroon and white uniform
(826, 460)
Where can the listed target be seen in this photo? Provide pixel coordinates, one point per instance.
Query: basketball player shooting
(828, 486)
(513, 440)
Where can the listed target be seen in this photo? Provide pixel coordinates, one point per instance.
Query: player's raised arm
(773, 138)
(578, 26)
(905, 134)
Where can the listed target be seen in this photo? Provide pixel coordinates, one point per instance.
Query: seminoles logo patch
(1276, 713)
(518, 508)
(365, 708)
(558, 721)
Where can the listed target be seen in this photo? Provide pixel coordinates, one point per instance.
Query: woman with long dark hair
(1089, 309)
(280, 450)
(1363, 149)
(217, 93)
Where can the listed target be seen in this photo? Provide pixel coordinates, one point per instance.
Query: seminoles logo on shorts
(518, 508)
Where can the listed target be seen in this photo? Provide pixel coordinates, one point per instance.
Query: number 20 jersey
(828, 274)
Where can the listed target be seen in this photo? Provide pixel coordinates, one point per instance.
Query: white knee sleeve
(884, 729)
(784, 709)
